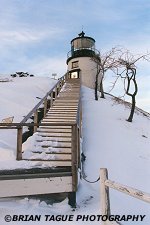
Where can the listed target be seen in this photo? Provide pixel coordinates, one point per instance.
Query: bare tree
(105, 61)
(128, 62)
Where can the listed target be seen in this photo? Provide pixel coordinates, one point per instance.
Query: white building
(79, 61)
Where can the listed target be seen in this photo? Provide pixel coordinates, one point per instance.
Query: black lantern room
(82, 46)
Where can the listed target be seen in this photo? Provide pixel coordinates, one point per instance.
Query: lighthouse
(79, 60)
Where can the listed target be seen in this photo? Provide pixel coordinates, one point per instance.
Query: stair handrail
(42, 100)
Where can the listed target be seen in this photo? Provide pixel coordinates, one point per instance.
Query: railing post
(45, 107)
(104, 194)
(35, 120)
(79, 160)
(51, 103)
(80, 119)
(72, 196)
(65, 78)
(55, 91)
(19, 143)
(63, 81)
(59, 86)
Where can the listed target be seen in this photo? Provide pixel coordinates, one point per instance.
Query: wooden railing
(75, 133)
(52, 94)
(105, 184)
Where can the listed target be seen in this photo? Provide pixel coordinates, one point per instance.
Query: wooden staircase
(53, 143)
(56, 146)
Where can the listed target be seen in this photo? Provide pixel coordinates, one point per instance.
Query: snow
(108, 141)
(18, 97)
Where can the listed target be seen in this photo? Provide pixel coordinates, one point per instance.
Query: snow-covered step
(49, 120)
(61, 100)
(63, 110)
(56, 127)
(51, 164)
(53, 130)
(57, 139)
(63, 139)
(65, 106)
(54, 144)
(53, 150)
(50, 134)
(32, 186)
(50, 157)
(57, 118)
(60, 115)
(50, 117)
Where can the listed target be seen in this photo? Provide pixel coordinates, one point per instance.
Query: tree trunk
(132, 109)
(102, 89)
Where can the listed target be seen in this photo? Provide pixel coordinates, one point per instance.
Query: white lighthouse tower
(79, 61)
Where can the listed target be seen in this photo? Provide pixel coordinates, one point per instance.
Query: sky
(35, 35)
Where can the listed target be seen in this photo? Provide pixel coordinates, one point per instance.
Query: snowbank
(108, 141)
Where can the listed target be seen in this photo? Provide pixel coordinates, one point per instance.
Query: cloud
(47, 66)
(35, 35)
(27, 36)
(40, 66)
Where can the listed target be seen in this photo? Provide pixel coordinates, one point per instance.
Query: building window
(74, 75)
(75, 64)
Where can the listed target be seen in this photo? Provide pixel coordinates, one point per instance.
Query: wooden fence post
(65, 78)
(79, 159)
(74, 157)
(62, 81)
(35, 120)
(72, 195)
(51, 103)
(45, 107)
(59, 86)
(104, 194)
(55, 91)
(80, 120)
(19, 143)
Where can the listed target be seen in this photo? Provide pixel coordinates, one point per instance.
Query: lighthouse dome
(82, 46)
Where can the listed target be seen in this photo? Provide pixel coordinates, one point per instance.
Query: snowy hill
(108, 141)
(122, 147)
(18, 97)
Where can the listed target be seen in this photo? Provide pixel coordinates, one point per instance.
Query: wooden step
(51, 157)
(59, 100)
(63, 110)
(60, 115)
(67, 94)
(56, 127)
(50, 164)
(55, 144)
(47, 120)
(58, 139)
(65, 103)
(61, 131)
(54, 151)
(68, 97)
(43, 134)
(55, 106)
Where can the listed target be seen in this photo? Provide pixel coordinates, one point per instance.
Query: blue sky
(35, 35)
